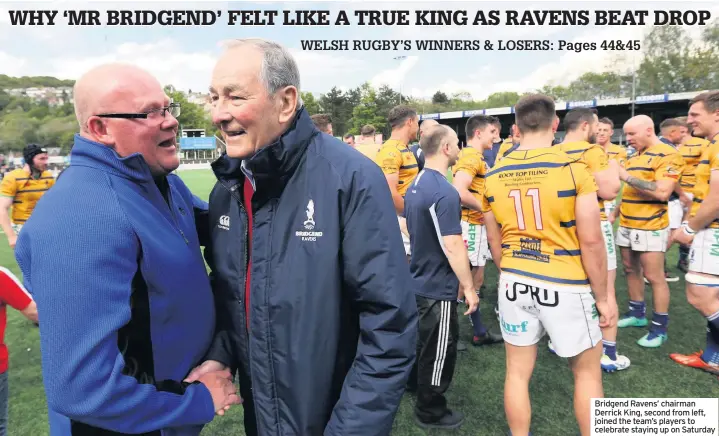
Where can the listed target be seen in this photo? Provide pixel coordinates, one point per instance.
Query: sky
(184, 56)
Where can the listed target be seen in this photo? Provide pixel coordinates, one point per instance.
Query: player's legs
(703, 293)
(587, 385)
(636, 315)
(653, 266)
(475, 237)
(521, 329)
(517, 406)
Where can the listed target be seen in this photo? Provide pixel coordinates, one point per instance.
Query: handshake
(218, 380)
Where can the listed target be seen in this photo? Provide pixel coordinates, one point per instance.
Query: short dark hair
(349, 135)
(367, 129)
(477, 122)
(683, 120)
(607, 121)
(710, 99)
(670, 122)
(577, 116)
(432, 139)
(534, 113)
(398, 115)
(321, 121)
(496, 121)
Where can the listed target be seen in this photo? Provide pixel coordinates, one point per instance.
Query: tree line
(670, 63)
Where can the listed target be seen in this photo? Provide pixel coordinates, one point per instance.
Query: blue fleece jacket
(125, 305)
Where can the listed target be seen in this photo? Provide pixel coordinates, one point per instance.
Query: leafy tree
(440, 97)
(311, 104)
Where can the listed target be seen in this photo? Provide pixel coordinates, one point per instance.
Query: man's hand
(222, 389)
(681, 237)
(471, 299)
(12, 240)
(207, 367)
(608, 314)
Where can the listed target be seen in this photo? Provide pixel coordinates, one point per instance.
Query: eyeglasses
(173, 108)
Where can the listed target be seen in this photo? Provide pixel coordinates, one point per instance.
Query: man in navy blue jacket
(314, 300)
(112, 256)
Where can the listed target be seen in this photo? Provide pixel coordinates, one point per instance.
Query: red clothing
(13, 293)
(247, 197)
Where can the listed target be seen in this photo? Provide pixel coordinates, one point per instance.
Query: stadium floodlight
(400, 58)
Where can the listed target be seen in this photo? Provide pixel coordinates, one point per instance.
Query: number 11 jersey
(532, 195)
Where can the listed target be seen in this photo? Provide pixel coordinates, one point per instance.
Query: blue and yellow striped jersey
(396, 157)
(25, 192)
(709, 162)
(472, 163)
(532, 195)
(638, 210)
(691, 152)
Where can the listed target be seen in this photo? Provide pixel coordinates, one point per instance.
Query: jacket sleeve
(202, 220)
(377, 277)
(80, 270)
(221, 348)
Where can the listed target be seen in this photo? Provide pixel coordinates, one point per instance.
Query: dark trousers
(248, 405)
(436, 356)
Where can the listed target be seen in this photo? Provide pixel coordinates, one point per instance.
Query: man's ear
(99, 132)
(288, 99)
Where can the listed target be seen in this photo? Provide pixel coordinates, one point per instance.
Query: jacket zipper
(233, 192)
(171, 205)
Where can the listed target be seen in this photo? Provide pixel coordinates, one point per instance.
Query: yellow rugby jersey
(396, 157)
(532, 194)
(369, 150)
(25, 191)
(504, 148)
(709, 162)
(472, 162)
(638, 210)
(592, 155)
(691, 152)
(617, 153)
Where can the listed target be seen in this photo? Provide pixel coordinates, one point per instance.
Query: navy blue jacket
(333, 318)
(125, 304)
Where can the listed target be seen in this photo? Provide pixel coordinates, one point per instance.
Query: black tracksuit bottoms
(436, 356)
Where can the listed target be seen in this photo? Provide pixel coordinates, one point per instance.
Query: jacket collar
(95, 155)
(274, 165)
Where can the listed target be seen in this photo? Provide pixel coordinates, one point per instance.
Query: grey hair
(278, 69)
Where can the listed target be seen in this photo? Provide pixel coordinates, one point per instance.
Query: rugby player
(670, 130)
(510, 143)
(323, 122)
(702, 232)
(349, 139)
(397, 161)
(416, 148)
(582, 125)
(366, 144)
(650, 178)
(469, 173)
(21, 189)
(614, 152)
(440, 267)
(691, 149)
(551, 254)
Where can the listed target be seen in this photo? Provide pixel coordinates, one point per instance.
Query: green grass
(477, 389)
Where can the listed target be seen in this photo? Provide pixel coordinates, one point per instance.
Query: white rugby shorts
(643, 240)
(704, 253)
(529, 308)
(608, 233)
(475, 239)
(405, 238)
(676, 213)
(609, 207)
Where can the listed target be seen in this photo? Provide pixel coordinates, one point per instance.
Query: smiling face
(134, 91)
(248, 117)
